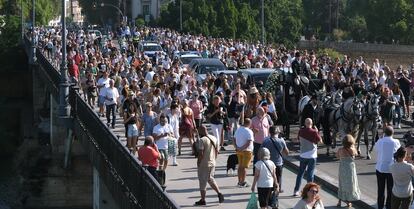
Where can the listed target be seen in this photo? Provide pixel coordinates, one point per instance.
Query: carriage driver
(309, 111)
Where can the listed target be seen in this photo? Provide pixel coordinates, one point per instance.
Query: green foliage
(237, 19)
(139, 22)
(330, 52)
(10, 34)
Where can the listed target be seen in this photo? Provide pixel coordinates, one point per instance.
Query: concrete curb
(323, 180)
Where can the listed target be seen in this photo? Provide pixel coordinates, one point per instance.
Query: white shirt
(111, 95)
(402, 172)
(385, 149)
(162, 143)
(265, 179)
(243, 135)
(103, 82)
(149, 75)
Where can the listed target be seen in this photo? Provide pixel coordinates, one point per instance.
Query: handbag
(273, 175)
(252, 204)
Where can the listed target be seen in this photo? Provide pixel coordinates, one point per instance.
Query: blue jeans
(398, 113)
(308, 164)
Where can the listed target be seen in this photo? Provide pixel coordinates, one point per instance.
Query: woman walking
(265, 178)
(402, 173)
(387, 105)
(348, 189)
(187, 125)
(131, 120)
(310, 197)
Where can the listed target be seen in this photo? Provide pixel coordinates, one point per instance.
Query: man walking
(244, 150)
(385, 149)
(277, 147)
(111, 99)
(260, 128)
(308, 138)
(206, 164)
(161, 133)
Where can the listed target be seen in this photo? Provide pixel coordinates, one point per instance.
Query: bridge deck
(182, 181)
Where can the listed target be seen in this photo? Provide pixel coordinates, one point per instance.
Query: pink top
(262, 125)
(196, 106)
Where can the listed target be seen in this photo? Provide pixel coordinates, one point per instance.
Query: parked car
(256, 75)
(203, 66)
(187, 58)
(150, 49)
(95, 33)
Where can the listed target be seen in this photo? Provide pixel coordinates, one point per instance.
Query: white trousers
(216, 129)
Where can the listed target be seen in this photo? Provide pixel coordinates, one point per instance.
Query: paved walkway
(182, 185)
(182, 181)
(327, 167)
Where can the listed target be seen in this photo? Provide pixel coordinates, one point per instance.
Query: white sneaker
(399, 126)
(296, 194)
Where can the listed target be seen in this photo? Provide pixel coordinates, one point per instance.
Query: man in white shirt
(161, 133)
(150, 74)
(111, 96)
(102, 84)
(244, 149)
(385, 149)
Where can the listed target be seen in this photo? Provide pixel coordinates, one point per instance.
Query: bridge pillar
(102, 198)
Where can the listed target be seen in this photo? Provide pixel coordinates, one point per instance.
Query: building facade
(147, 8)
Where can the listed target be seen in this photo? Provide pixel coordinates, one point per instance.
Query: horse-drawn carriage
(337, 114)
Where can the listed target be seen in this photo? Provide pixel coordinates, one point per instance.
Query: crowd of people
(159, 98)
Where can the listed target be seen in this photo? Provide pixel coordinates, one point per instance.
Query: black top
(404, 86)
(218, 117)
(234, 109)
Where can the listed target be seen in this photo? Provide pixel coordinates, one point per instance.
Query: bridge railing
(129, 183)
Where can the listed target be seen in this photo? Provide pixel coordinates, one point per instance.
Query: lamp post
(33, 57)
(117, 8)
(21, 18)
(181, 15)
(64, 108)
(263, 28)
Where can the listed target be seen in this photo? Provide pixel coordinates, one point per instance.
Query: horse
(343, 120)
(369, 122)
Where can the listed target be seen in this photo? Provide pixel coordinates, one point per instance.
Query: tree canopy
(238, 19)
(384, 21)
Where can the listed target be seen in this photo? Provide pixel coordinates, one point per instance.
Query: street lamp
(33, 57)
(263, 29)
(117, 8)
(181, 15)
(64, 108)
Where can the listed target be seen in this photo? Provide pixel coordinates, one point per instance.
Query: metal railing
(129, 183)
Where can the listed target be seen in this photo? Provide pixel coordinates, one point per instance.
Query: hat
(253, 90)
(195, 93)
(148, 104)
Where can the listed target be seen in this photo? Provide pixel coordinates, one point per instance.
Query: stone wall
(359, 47)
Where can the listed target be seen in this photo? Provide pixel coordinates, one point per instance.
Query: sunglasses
(314, 191)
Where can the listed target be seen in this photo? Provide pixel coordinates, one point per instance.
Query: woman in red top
(186, 125)
(149, 155)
